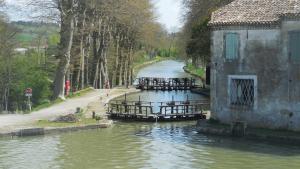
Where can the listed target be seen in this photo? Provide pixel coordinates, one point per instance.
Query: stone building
(255, 76)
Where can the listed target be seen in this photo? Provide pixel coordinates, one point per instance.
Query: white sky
(168, 12)
(17, 10)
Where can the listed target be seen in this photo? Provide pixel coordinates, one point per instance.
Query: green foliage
(25, 38)
(53, 39)
(198, 47)
(141, 57)
(30, 33)
(80, 93)
(26, 73)
(196, 70)
(172, 52)
(196, 33)
(46, 104)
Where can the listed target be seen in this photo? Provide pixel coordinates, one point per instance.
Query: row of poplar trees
(100, 42)
(100, 38)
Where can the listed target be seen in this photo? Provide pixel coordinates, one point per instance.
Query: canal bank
(204, 90)
(257, 134)
(141, 145)
(93, 101)
(200, 76)
(26, 132)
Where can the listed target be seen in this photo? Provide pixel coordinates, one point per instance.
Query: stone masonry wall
(263, 52)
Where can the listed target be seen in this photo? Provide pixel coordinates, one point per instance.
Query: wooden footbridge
(165, 84)
(168, 111)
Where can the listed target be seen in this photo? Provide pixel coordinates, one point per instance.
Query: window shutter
(295, 46)
(231, 46)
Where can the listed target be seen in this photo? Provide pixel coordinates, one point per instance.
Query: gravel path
(15, 121)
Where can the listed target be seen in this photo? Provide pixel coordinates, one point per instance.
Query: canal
(146, 145)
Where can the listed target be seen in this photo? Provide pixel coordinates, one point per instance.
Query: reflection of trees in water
(186, 133)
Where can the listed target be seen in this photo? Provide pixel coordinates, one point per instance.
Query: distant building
(255, 75)
(21, 50)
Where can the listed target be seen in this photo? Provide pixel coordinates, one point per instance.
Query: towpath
(91, 101)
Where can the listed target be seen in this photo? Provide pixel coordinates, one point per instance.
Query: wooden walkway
(168, 111)
(165, 84)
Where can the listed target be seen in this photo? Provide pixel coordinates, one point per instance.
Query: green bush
(27, 73)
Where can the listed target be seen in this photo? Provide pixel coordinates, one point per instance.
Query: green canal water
(146, 145)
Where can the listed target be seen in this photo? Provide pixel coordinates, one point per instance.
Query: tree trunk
(121, 69)
(87, 81)
(114, 76)
(95, 83)
(100, 76)
(130, 65)
(126, 70)
(82, 62)
(65, 45)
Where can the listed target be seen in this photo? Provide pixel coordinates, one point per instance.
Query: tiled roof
(240, 12)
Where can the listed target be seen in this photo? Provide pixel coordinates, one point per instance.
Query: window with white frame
(242, 91)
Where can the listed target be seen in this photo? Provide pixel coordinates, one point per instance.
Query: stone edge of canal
(45, 131)
(256, 134)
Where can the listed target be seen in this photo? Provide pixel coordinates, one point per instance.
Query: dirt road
(95, 97)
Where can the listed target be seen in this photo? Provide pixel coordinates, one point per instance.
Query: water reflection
(147, 146)
(165, 69)
(39, 152)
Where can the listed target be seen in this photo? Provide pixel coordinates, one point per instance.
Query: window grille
(242, 92)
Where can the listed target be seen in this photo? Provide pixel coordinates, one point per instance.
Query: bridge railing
(152, 83)
(145, 109)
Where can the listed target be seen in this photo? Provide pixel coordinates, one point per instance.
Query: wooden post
(29, 103)
(165, 111)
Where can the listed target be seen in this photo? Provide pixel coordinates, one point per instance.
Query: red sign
(28, 92)
(68, 84)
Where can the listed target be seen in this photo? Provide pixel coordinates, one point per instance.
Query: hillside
(34, 34)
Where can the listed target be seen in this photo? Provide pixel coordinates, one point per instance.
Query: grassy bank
(196, 71)
(47, 104)
(57, 101)
(80, 93)
(82, 121)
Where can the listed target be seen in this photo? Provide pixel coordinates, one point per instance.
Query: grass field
(29, 33)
